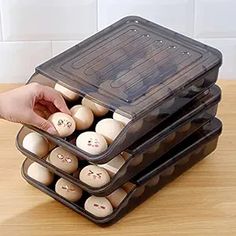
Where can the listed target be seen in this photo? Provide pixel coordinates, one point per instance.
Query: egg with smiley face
(68, 190)
(94, 176)
(98, 206)
(91, 142)
(63, 160)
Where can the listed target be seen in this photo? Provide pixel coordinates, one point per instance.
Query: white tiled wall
(32, 31)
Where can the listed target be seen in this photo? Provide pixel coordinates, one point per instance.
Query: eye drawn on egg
(68, 189)
(99, 206)
(93, 142)
(94, 175)
(64, 158)
(65, 123)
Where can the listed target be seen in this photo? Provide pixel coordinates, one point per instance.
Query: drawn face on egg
(93, 142)
(98, 206)
(67, 188)
(64, 123)
(94, 176)
(64, 158)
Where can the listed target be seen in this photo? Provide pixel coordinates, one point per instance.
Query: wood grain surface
(200, 202)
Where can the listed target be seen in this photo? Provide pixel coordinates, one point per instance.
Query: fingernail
(52, 130)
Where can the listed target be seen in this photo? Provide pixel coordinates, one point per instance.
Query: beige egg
(109, 129)
(117, 197)
(94, 176)
(185, 127)
(169, 138)
(154, 148)
(36, 144)
(168, 171)
(91, 142)
(40, 173)
(98, 206)
(97, 109)
(66, 93)
(113, 165)
(68, 190)
(128, 187)
(63, 123)
(63, 160)
(123, 119)
(82, 116)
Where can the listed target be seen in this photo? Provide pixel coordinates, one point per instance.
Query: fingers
(50, 95)
(42, 124)
(48, 105)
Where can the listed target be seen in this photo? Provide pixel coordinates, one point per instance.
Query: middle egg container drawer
(146, 150)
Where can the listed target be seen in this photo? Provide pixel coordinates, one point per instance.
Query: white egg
(109, 129)
(91, 142)
(40, 173)
(63, 123)
(123, 119)
(97, 109)
(66, 93)
(36, 144)
(82, 116)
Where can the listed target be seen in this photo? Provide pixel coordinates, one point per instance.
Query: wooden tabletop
(200, 202)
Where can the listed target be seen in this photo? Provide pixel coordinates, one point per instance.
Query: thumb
(43, 124)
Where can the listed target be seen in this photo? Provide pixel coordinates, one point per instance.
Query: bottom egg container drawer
(148, 149)
(149, 181)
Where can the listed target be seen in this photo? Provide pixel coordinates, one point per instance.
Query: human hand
(32, 104)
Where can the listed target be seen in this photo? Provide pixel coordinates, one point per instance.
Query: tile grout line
(97, 15)
(194, 17)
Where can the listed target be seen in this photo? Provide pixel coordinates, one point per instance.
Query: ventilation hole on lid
(134, 30)
(146, 35)
(158, 41)
(136, 21)
(172, 46)
(186, 53)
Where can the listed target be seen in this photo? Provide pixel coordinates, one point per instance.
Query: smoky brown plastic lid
(132, 66)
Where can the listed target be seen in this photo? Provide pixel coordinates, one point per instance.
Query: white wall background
(32, 31)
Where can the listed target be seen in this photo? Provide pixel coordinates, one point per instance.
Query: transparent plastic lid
(133, 65)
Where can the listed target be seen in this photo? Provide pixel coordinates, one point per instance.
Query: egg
(91, 142)
(68, 190)
(117, 197)
(185, 127)
(109, 129)
(97, 109)
(36, 144)
(94, 176)
(128, 187)
(82, 116)
(113, 165)
(123, 119)
(63, 160)
(169, 138)
(40, 173)
(98, 206)
(63, 123)
(66, 93)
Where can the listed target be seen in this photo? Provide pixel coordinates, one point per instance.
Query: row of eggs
(93, 175)
(82, 117)
(98, 206)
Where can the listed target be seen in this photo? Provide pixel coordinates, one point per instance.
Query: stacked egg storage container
(149, 102)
